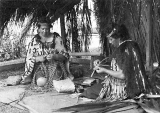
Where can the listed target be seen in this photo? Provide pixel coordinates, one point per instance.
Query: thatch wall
(134, 14)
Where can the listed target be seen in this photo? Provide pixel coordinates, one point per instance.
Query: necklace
(124, 42)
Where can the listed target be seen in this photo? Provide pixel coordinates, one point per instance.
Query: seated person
(41, 51)
(127, 77)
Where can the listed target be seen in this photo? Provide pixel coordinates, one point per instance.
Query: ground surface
(17, 99)
(37, 102)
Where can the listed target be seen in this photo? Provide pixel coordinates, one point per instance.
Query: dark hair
(120, 31)
(44, 20)
(56, 34)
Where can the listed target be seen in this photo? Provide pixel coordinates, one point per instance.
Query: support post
(62, 23)
(62, 27)
(72, 42)
(149, 37)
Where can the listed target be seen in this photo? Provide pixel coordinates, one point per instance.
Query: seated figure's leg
(43, 70)
(28, 75)
(58, 74)
(59, 46)
(93, 91)
(68, 70)
(39, 71)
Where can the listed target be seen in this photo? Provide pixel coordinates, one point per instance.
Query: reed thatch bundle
(15, 12)
(134, 14)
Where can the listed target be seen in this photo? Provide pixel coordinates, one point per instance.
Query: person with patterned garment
(126, 77)
(42, 49)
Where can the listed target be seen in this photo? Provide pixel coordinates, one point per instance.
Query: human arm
(129, 59)
(59, 45)
(59, 52)
(41, 58)
(117, 74)
(30, 59)
(33, 56)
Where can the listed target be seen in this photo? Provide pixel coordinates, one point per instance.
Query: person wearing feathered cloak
(127, 77)
(41, 52)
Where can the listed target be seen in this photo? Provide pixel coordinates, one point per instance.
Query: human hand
(96, 63)
(40, 59)
(99, 69)
(49, 57)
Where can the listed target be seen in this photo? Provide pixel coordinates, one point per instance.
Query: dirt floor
(12, 101)
(18, 99)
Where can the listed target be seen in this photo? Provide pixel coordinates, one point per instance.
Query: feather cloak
(129, 59)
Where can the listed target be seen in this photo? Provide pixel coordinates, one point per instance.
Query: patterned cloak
(129, 59)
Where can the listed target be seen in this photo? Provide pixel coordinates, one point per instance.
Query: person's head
(44, 26)
(119, 34)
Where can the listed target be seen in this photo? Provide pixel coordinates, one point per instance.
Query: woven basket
(64, 86)
(13, 80)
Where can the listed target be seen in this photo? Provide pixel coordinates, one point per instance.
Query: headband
(44, 24)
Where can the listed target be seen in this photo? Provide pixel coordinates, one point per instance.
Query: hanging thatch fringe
(133, 13)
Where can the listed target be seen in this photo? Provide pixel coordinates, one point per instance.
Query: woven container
(13, 80)
(64, 86)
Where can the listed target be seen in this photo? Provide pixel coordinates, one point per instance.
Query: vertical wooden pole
(62, 26)
(1, 33)
(112, 8)
(62, 23)
(149, 37)
(72, 41)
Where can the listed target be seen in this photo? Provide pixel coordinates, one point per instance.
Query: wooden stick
(104, 65)
(93, 73)
(100, 65)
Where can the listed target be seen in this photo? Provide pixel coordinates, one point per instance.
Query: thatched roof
(21, 16)
(53, 8)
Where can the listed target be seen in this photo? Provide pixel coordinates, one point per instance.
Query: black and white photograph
(79, 56)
